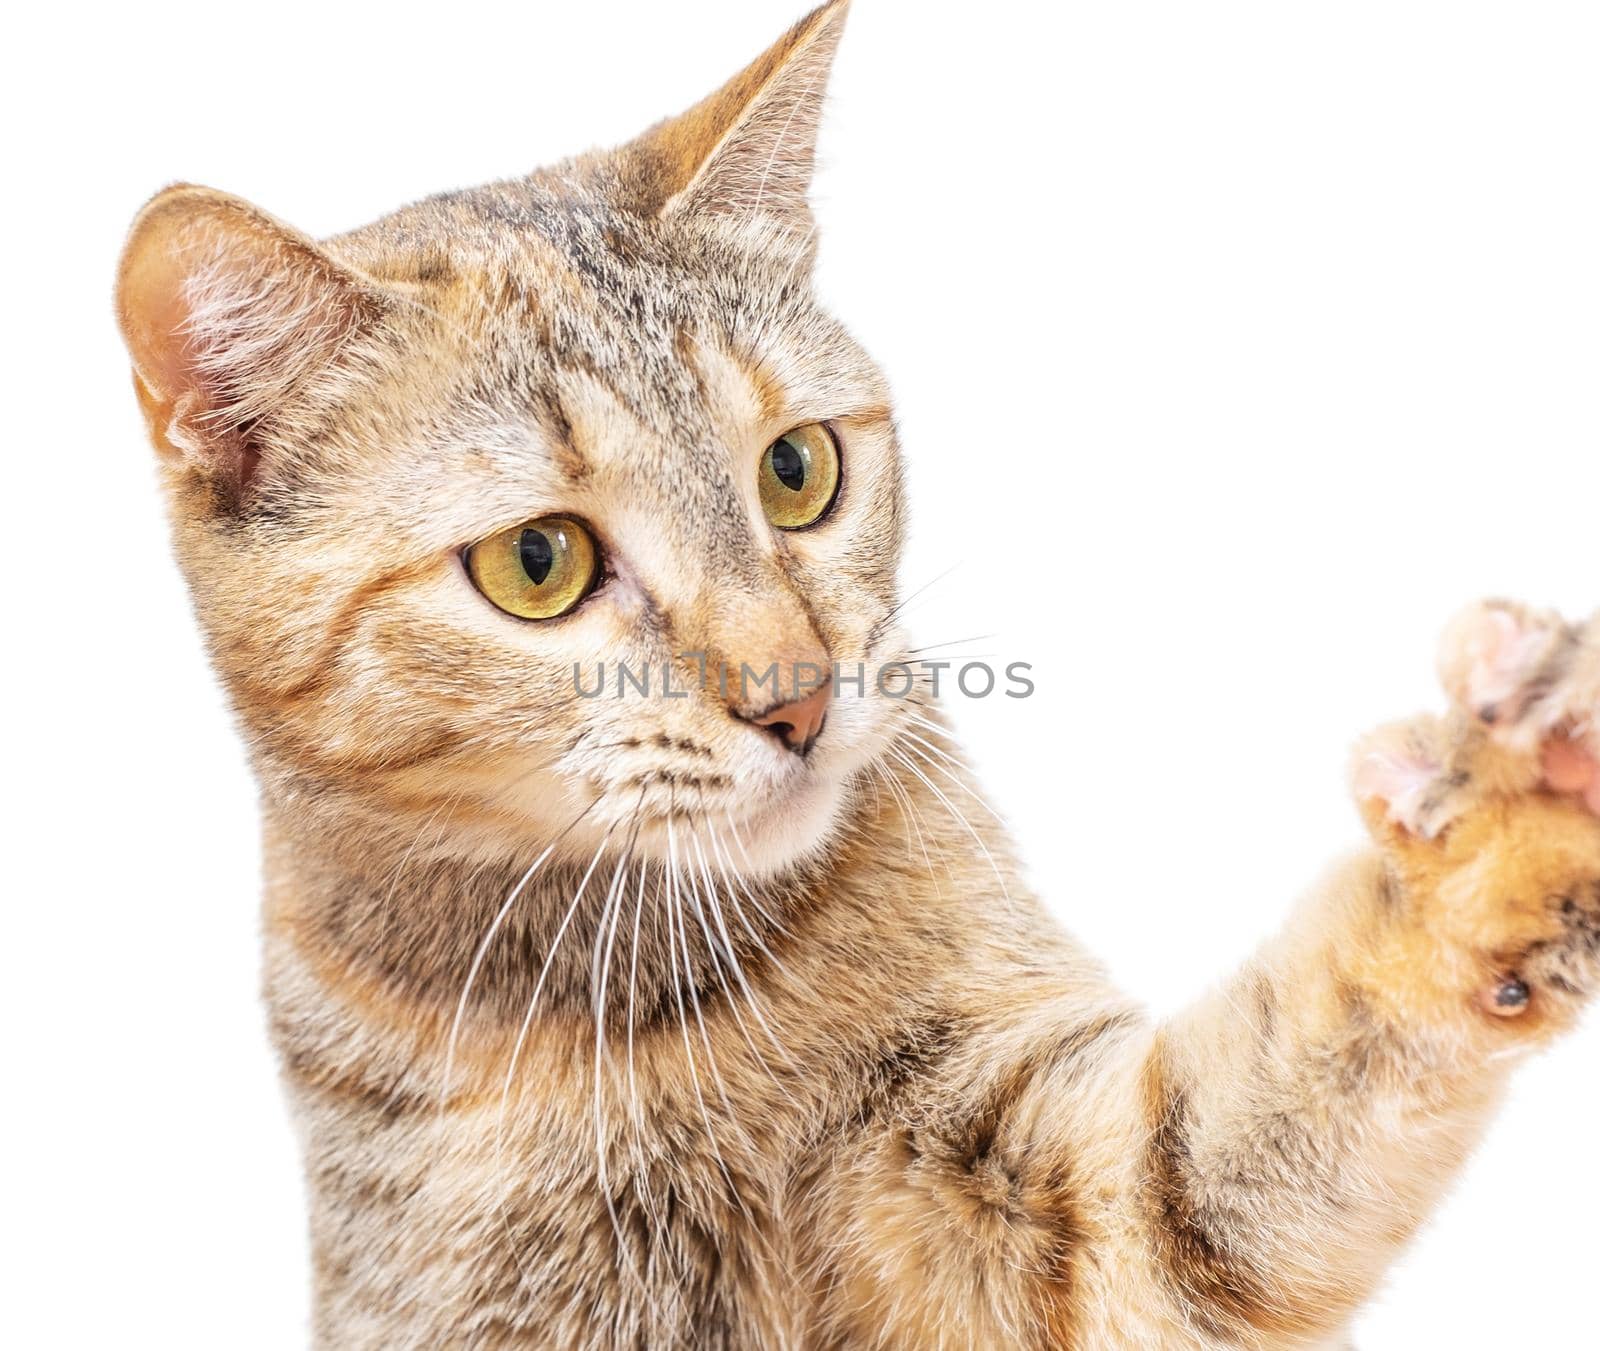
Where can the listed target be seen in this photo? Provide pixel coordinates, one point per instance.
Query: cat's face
(367, 442)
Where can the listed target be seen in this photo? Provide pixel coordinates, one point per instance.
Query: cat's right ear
(228, 314)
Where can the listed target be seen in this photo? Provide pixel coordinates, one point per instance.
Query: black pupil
(538, 555)
(789, 465)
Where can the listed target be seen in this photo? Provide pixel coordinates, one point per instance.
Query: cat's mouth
(690, 793)
(758, 792)
(729, 829)
(759, 815)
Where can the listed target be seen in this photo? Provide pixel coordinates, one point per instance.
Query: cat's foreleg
(1243, 1174)
(1297, 1126)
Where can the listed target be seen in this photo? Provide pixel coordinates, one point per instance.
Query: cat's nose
(797, 724)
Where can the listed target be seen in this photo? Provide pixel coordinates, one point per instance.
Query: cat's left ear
(750, 148)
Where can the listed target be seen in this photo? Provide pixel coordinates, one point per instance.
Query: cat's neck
(392, 980)
(562, 935)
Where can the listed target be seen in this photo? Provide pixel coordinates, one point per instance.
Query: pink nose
(798, 725)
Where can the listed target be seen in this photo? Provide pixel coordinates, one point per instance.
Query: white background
(1258, 336)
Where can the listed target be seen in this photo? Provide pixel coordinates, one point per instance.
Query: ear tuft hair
(750, 148)
(226, 313)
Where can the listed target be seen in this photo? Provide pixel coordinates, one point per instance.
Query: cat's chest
(521, 1221)
(565, 1188)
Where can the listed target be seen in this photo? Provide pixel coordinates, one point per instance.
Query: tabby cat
(718, 1020)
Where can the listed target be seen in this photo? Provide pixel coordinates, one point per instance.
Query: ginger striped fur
(614, 1023)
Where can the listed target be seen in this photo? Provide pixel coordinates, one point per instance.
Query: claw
(1508, 999)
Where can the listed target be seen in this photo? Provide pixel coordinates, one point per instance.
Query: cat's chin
(797, 818)
(791, 827)
(761, 834)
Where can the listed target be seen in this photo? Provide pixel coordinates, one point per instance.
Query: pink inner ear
(1400, 780)
(155, 319)
(226, 313)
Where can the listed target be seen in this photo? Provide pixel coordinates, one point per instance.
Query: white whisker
(733, 964)
(599, 976)
(897, 790)
(960, 819)
(483, 949)
(673, 911)
(959, 782)
(755, 1007)
(527, 1024)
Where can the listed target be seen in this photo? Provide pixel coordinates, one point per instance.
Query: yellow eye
(799, 477)
(536, 570)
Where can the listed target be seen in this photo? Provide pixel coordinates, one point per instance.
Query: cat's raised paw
(1533, 680)
(1498, 875)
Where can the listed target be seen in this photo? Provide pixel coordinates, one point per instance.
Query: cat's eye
(536, 570)
(799, 477)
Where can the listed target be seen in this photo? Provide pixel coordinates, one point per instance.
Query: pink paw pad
(1569, 768)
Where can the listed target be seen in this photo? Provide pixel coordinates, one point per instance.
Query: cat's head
(603, 394)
